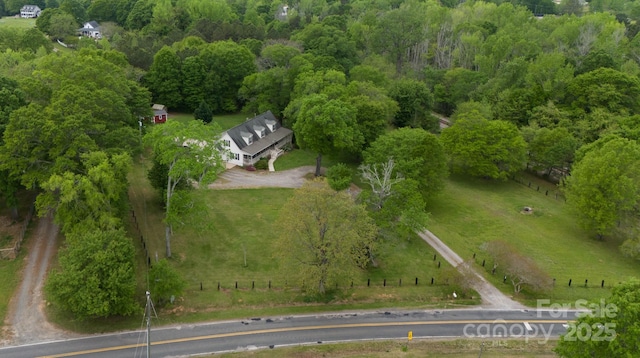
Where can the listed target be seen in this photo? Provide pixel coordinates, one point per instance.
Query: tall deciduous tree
(552, 148)
(164, 78)
(80, 102)
(325, 236)
(325, 126)
(191, 153)
(603, 185)
(417, 155)
(98, 195)
(605, 88)
(414, 102)
(62, 25)
(193, 74)
(96, 277)
(617, 319)
(483, 148)
(401, 29)
(227, 64)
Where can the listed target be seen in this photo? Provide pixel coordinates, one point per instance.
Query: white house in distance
(30, 11)
(90, 29)
(247, 142)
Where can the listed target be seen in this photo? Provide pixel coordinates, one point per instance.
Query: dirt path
(26, 321)
(491, 296)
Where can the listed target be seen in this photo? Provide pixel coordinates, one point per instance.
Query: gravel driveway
(26, 322)
(238, 178)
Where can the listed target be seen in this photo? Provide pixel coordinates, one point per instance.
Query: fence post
(218, 285)
(602, 284)
(384, 283)
(432, 280)
(569, 282)
(269, 284)
(416, 281)
(368, 282)
(400, 282)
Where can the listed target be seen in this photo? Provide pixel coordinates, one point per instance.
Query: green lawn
(225, 121)
(211, 249)
(9, 279)
(457, 348)
(17, 22)
(473, 211)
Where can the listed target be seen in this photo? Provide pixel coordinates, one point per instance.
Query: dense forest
(553, 88)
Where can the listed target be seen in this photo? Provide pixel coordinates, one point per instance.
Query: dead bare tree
(521, 270)
(380, 179)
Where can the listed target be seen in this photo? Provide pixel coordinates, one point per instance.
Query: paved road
(264, 332)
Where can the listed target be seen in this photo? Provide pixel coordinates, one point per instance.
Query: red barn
(159, 113)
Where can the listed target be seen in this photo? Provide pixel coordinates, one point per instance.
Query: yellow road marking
(291, 329)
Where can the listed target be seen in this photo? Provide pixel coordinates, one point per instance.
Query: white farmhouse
(247, 142)
(30, 11)
(90, 29)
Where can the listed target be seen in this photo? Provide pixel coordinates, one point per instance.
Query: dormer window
(271, 124)
(260, 130)
(248, 137)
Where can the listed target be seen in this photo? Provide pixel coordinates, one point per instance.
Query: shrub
(339, 177)
(262, 164)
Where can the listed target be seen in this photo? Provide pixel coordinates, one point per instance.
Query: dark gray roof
(30, 8)
(250, 125)
(94, 24)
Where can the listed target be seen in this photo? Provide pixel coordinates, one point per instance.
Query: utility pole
(148, 314)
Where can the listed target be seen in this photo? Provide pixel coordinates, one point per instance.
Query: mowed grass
(233, 243)
(229, 226)
(17, 22)
(9, 279)
(471, 212)
(225, 121)
(417, 348)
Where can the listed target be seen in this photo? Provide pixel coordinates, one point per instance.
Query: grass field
(416, 348)
(211, 249)
(17, 22)
(225, 121)
(471, 212)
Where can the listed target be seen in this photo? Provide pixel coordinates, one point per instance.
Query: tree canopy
(417, 154)
(325, 237)
(603, 186)
(483, 148)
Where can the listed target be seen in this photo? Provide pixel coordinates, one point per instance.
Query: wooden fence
(12, 252)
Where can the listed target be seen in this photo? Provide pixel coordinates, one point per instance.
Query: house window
(250, 140)
(227, 143)
(236, 156)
